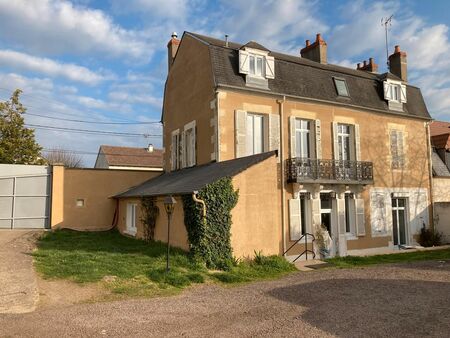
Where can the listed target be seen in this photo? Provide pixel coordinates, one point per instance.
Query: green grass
(355, 261)
(137, 267)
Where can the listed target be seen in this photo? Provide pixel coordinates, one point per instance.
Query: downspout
(217, 112)
(283, 180)
(430, 172)
(202, 202)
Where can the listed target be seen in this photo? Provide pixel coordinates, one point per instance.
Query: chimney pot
(318, 37)
(316, 51)
(172, 48)
(398, 64)
(365, 63)
(150, 148)
(358, 66)
(307, 43)
(174, 35)
(370, 66)
(397, 49)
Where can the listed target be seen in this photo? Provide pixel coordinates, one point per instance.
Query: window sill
(351, 237)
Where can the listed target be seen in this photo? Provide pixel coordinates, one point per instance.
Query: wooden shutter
(318, 140)
(341, 214)
(172, 153)
(335, 141)
(240, 132)
(182, 156)
(295, 220)
(403, 94)
(400, 153)
(243, 62)
(292, 136)
(193, 145)
(357, 143)
(274, 132)
(360, 218)
(387, 91)
(270, 67)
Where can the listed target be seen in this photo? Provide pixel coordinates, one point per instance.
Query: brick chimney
(315, 52)
(370, 66)
(172, 47)
(398, 64)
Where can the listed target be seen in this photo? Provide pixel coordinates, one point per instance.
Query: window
(395, 92)
(303, 213)
(189, 145)
(256, 65)
(255, 134)
(341, 87)
(349, 214)
(131, 219)
(397, 151)
(175, 155)
(343, 134)
(80, 202)
(302, 138)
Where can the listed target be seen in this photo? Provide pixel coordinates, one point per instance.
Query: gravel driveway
(391, 300)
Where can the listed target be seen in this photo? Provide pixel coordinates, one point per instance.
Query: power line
(88, 131)
(84, 121)
(82, 152)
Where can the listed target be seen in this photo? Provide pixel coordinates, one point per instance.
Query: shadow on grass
(372, 307)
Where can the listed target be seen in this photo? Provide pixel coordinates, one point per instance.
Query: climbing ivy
(209, 237)
(150, 213)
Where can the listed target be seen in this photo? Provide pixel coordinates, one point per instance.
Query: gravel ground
(392, 300)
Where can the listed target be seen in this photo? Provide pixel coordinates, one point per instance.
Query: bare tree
(61, 156)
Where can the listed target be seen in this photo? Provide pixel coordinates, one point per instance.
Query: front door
(399, 221)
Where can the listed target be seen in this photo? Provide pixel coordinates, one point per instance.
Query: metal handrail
(305, 235)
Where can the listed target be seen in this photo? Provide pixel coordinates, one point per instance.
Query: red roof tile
(132, 157)
(439, 128)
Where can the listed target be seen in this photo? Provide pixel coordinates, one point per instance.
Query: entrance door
(399, 221)
(325, 211)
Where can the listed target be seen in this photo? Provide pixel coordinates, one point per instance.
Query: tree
(17, 143)
(67, 158)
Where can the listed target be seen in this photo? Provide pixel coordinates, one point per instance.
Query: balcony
(307, 170)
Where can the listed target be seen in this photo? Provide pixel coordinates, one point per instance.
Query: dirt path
(401, 300)
(18, 285)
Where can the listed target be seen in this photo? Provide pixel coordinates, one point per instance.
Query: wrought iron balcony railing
(328, 171)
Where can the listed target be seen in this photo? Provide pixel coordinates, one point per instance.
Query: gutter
(283, 180)
(202, 202)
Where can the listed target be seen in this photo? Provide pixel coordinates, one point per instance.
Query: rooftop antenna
(387, 22)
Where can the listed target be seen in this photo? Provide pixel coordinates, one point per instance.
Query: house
(129, 158)
(440, 141)
(322, 145)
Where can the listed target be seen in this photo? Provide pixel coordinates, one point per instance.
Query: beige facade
(81, 198)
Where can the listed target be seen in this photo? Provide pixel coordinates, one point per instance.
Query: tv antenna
(387, 22)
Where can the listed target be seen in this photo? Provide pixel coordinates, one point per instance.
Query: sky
(106, 61)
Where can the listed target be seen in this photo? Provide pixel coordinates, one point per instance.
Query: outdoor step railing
(306, 251)
(307, 169)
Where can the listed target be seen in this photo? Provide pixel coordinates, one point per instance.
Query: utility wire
(81, 152)
(88, 131)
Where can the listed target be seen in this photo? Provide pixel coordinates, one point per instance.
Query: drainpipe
(283, 180)
(202, 202)
(217, 112)
(430, 171)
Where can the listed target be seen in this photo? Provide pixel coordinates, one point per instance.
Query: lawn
(355, 261)
(137, 268)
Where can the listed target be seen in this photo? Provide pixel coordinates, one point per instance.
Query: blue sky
(105, 61)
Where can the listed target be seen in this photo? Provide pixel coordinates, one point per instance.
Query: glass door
(399, 221)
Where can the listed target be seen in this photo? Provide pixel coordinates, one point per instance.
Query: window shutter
(182, 157)
(270, 67)
(357, 143)
(403, 94)
(243, 62)
(400, 154)
(295, 223)
(360, 219)
(274, 132)
(193, 146)
(240, 132)
(315, 205)
(318, 140)
(292, 136)
(341, 214)
(172, 154)
(387, 91)
(335, 141)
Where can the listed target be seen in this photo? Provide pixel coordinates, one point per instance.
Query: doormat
(319, 266)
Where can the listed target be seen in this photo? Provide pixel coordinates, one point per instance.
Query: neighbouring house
(440, 141)
(305, 142)
(129, 158)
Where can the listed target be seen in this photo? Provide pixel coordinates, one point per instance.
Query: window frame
(350, 215)
(344, 81)
(300, 131)
(255, 57)
(189, 149)
(131, 217)
(253, 137)
(348, 137)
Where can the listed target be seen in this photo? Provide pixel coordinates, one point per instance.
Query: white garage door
(24, 196)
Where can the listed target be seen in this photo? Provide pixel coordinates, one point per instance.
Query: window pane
(251, 64)
(341, 87)
(305, 144)
(259, 66)
(401, 226)
(347, 213)
(303, 213)
(258, 134)
(401, 202)
(249, 138)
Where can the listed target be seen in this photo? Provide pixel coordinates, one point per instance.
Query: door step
(311, 264)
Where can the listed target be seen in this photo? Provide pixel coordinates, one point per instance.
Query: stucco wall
(257, 215)
(441, 189)
(442, 224)
(95, 187)
(188, 95)
(178, 233)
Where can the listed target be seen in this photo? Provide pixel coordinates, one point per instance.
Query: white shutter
(193, 146)
(387, 91)
(335, 141)
(270, 67)
(243, 62)
(317, 219)
(401, 155)
(240, 132)
(172, 154)
(403, 94)
(360, 218)
(295, 220)
(274, 132)
(292, 136)
(341, 215)
(318, 139)
(357, 143)
(182, 156)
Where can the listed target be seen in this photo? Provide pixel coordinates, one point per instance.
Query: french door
(399, 221)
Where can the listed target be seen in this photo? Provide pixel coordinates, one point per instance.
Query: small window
(341, 87)
(80, 202)
(131, 218)
(256, 65)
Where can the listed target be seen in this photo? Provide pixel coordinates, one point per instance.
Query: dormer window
(395, 94)
(341, 87)
(256, 64)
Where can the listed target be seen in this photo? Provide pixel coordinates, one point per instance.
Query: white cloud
(158, 8)
(140, 98)
(49, 67)
(58, 26)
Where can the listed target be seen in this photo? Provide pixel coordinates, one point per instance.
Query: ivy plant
(150, 213)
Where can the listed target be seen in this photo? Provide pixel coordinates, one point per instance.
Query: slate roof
(186, 181)
(132, 156)
(439, 167)
(300, 77)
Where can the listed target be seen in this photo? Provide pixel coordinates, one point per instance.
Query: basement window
(341, 87)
